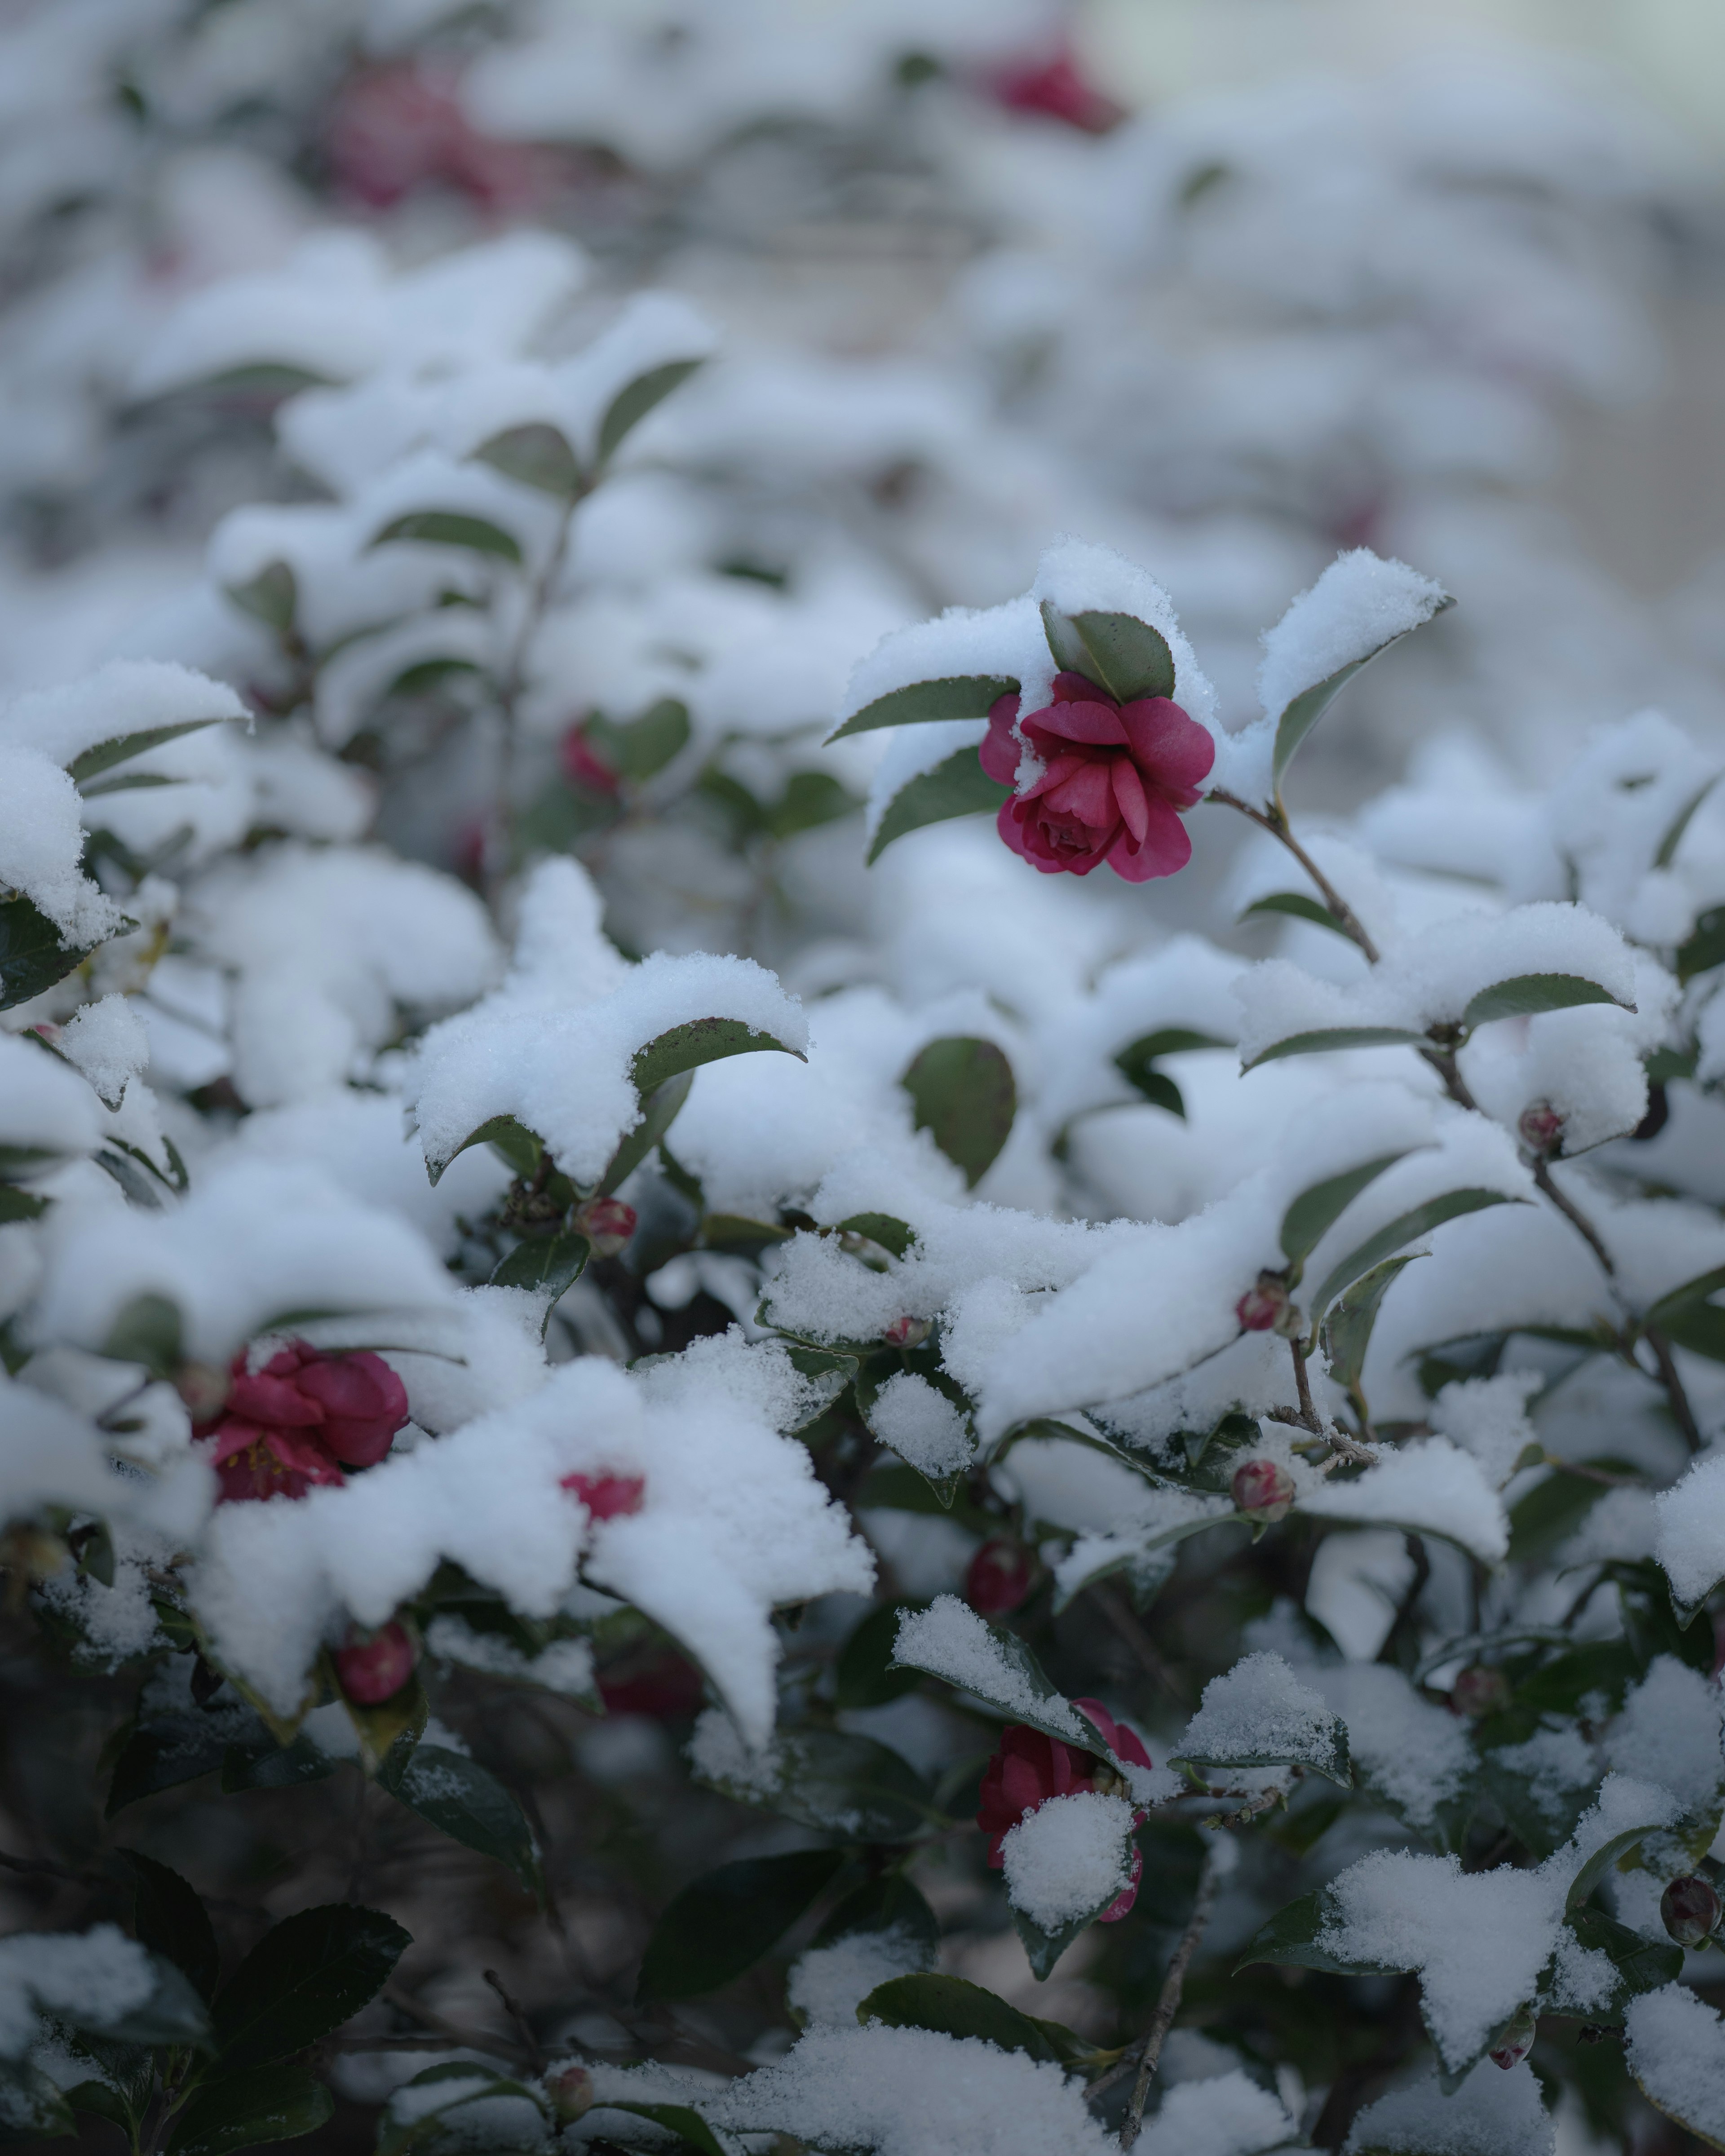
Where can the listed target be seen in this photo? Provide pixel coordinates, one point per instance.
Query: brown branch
(1577, 1218)
(517, 2014)
(1275, 822)
(1682, 1412)
(1149, 2046)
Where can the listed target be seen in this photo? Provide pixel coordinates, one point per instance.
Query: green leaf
(547, 1266)
(104, 755)
(701, 1040)
(275, 2102)
(1705, 946)
(466, 1802)
(1642, 1964)
(171, 1920)
(838, 1784)
(865, 1674)
(31, 2108)
(1318, 1207)
(302, 1980)
(32, 956)
(1668, 845)
(631, 405)
(810, 799)
(1043, 1949)
(537, 454)
(146, 1330)
(1347, 1328)
(1687, 1317)
(962, 1094)
(1327, 1038)
(1527, 994)
(272, 596)
(677, 2119)
(959, 696)
(1420, 1221)
(894, 1236)
(1302, 908)
(1604, 1859)
(260, 1763)
(1121, 654)
(951, 2006)
(511, 1139)
(1290, 1940)
(163, 1750)
(448, 527)
(440, 2129)
(1020, 1675)
(958, 787)
(723, 1922)
(1302, 713)
(1136, 1063)
(659, 1109)
(1325, 1753)
(889, 1903)
(638, 749)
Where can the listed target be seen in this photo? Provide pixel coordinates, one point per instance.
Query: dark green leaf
(31, 2108)
(470, 1804)
(1136, 1063)
(162, 1751)
(677, 2119)
(537, 454)
(272, 596)
(16, 1160)
(958, 787)
(1302, 907)
(1642, 1964)
(701, 1040)
(723, 1922)
(1317, 1209)
(448, 527)
(961, 697)
(1302, 713)
(303, 1981)
(630, 406)
(146, 1330)
(548, 1265)
(99, 2097)
(1541, 1817)
(1604, 1858)
(1688, 1316)
(1420, 1221)
(426, 673)
(894, 1236)
(1021, 1675)
(104, 755)
(170, 1919)
(32, 956)
(245, 2110)
(1324, 1753)
(1527, 994)
(638, 749)
(1327, 1038)
(260, 1763)
(1121, 654)
(512, 1140)
(951, 2006)
(659, 1109)
(1704, 947)
(1668, 845)
(889, 1903)
(810, 799)
(1043, 1949)
(1347, 1328)
(962, 1094)
(172, 2014)
(866, 1673)
(843, 1785)
(1291, 1940)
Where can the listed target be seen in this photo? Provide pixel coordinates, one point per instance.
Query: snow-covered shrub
(776, 1370)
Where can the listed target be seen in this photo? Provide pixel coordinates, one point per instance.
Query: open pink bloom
(1028, 1768)
(607, 1496)
(1115, 778)
(302, 1419)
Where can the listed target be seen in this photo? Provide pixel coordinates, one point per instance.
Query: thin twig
(1137, 1638)
(1682, 1412)
(1308, 1413)
(517, 2014)
(1275, 822)
(1577, 1218)
(1149, 2046)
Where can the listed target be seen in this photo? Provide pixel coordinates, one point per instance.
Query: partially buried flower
(1029, 1768)
(607, 1496)
(302, 1419)
(1113, 781)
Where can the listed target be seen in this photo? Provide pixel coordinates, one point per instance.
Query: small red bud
(203, 1389)
(1689, 1908)
(570, 2089)
(607, 1496)
(606, 1223)
(1478, 1692)
(584, 767)
(1000, 1576)
(1261, 1307)
(1264, 1489)
(907, 1332)
(1517, 2041)
(1541, 1128)
(374, 1667)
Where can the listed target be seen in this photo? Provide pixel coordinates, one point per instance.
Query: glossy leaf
(162, 1750)
(1317, 1208)
(1666, 852)
(632, 404)
(1325, 1752)
(302, 1980)
(170, 1919)
(723, 1922)
(951, 2006)
(1527, 994)
(1302, 713)
(865, 1674)
(104, 755)
(277, 2102)
(1021, 1675)
(466, 1802)
(958, 787)
(659, 1109)
(1642, 1964)
(894, 1237)
(638, 748)
(958, 696)
(547, 1266)
(1136, 1064)
(32, 956)
(963, 1094)
(1327, 1039)
(1347, 1328)
(1420, 1221)
(678, 2119)
(701, 1040)
(510, 1138)
(536, 454)
(262, 1763)
(1688, 1316)
(1291, 1939)
(842, 1785)
(1296, 904)
(1124, 656)
(448, 527)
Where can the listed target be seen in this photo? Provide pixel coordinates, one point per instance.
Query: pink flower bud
(1541, 1129)
(1478, 1692)
(584, 767)
(1261, 1306)
(1264, 1489)
(1689, 1908)
(204, 1388)
(1517, 2042)
(570, 2089)
(606, 1223)
(907, 1332)
(607, 1496)
(372, 1667)
(1000, 1576)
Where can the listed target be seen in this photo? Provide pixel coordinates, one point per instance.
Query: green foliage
(1527, 994)
(962, 697)
(275, 2102)
(723, 1922)
(448, 527)
(464, 1801)
(32, 956)
(1125, 657)
(631, 405)
(957, 787)
(302, 1980)
(963, 1094)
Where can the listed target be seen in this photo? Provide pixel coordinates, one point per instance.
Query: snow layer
(1257, 1712)
(44, 1105)
(1690, 1542)
(1676, 2045)
(100, 1976)
(1487, 1417)
(1069, 1856)
(1414, 1754)
(950, 1640)
(1491, 2114)
(827, 1983)
(1225, 2115)
(1429, 1486)
(921, 1425)
(1668, 1733)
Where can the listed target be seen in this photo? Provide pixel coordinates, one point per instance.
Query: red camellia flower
(1114, 779)
(606, 1223)
(607, 1496)
(1028, 1768)
(1053, 85)
(300, 1420)
(397, 129)
(999, 1577)
(374, 1667)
